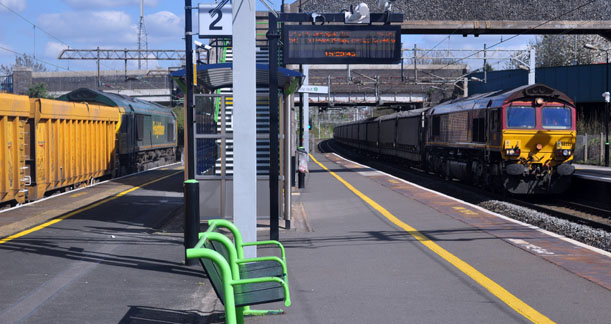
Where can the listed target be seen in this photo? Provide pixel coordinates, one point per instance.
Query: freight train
(51, 145)
(518, 141)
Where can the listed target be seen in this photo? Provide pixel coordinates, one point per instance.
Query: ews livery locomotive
(520, 141)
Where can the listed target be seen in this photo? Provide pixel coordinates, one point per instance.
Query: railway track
(592, 215)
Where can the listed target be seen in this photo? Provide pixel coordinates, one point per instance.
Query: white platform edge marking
(79, 189)
(564, 238)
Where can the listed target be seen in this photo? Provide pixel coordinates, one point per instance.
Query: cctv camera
(207, 47)
(198, 43)
(385, 4)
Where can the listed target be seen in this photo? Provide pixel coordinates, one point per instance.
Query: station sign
(215, 20)
(313, 89)
(342, 44)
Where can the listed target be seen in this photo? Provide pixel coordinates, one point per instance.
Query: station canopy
(216, 76)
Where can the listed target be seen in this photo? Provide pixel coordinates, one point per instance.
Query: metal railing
(590, 149)
(6, 83)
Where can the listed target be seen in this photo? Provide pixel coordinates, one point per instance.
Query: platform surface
(359, 265)
(106, 261)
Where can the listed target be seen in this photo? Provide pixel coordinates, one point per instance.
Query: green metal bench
(240, 282)
(269, 267)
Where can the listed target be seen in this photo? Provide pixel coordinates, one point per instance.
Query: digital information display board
(342, 44)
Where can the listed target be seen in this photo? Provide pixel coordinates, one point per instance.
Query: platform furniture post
(191, 190)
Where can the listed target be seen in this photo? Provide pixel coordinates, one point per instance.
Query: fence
(6, 83)
(590, 149)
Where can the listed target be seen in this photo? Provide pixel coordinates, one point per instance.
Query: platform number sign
(215, 20)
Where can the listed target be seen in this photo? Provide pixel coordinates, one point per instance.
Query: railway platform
(372, 248)
(111, 253)
(593, 173)
(366, 247)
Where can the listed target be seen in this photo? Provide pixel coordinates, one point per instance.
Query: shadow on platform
(145, 314)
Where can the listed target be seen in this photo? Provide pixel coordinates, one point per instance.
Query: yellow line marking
(78, 194)
(80, 210)
(465, 211)
(505, 296)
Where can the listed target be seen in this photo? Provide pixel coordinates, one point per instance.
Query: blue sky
(87, 24)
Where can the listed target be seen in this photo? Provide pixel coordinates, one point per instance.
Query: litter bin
(302, 163)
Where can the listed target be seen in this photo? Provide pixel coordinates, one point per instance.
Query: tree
(564, 50)
(38, 90)
(23, 60)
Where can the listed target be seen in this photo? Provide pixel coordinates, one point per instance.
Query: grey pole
(244, 122)
(607, 115)
(191, 186)
(189, 145)
(272, 36)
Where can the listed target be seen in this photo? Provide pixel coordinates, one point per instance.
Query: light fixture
(360, 15)
(592, 47)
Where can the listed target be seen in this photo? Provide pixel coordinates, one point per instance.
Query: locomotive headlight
(512, 152)
(566, 152)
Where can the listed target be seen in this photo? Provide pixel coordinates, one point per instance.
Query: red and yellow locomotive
(521, 140)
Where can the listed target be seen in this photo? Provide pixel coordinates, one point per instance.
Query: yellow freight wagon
(14, 113)
(74, 144)
(48, 145)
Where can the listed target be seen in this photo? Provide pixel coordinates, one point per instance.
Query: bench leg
(261, 312)
(239, 312)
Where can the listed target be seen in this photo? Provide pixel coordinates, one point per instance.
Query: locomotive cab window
(140, 127)
(436, 126)
(479, 130)
(171, 132)
(556, 118)
(521, 117)
(494, 120)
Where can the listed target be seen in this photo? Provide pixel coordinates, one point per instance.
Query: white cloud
(112, 29)
(52, 49)
(95, 27)
(17, 5)
(95, 4)
(163, 25)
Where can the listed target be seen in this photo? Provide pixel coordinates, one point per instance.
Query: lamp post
(606, 96)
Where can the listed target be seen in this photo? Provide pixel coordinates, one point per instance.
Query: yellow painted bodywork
(527, 140)
(50, 144)
(75, 142)
(14, 111)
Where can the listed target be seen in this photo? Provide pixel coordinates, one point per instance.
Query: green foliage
(179, 111)
(38, 90)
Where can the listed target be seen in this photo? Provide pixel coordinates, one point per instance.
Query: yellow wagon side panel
(14, 111)
(67, 144)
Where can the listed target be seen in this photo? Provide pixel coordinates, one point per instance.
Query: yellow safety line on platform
(80, 210)
(500, 292)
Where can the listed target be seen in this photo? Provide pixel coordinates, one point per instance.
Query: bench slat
(260, 269)
(258, 293)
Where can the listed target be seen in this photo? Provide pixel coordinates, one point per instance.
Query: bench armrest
(268, 243)
(267, 258)
(287, 296)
